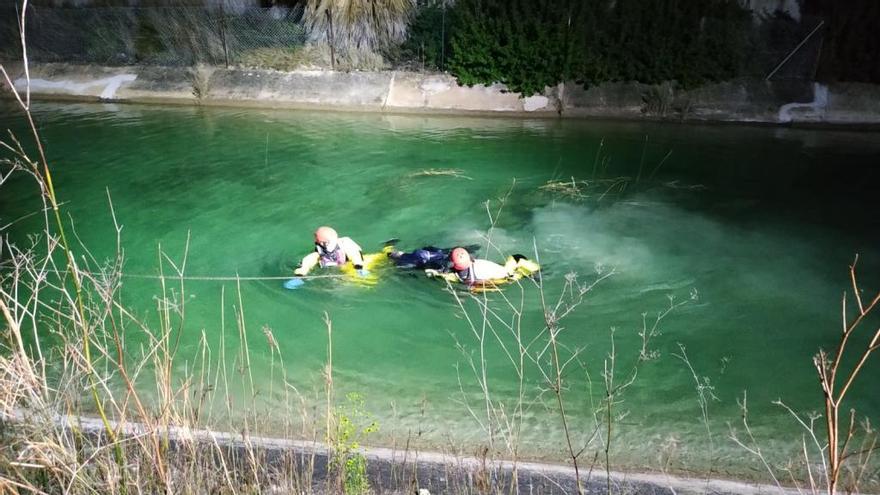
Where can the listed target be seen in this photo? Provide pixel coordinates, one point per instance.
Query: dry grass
(70, 348)
(310, 57)
(581, 190)
(283, 59)
(570, 189)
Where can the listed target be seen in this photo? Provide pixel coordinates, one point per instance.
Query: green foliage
(355, 481)
(353, 426)
(147, 42)
(652, 41)
(529, 45)
(428, 41)
(525, 44)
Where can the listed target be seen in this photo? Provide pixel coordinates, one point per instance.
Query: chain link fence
(269, 37)
(427, 46)
(175, 36)
(776, 45)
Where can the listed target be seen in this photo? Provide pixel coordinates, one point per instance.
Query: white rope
(227, 278)
(209, 277)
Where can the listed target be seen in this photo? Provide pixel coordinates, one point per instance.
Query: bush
(529, 45)
(652, 41)
(524, 44)
(353, 426)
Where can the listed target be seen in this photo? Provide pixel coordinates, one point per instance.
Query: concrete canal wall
(756, 101)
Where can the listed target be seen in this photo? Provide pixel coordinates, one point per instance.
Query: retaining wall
(772, 102)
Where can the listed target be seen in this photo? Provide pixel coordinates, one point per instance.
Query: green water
(761, 222)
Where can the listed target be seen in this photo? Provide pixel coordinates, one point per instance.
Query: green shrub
(652, 41)
(353, 426)
(524, 44)
(147, 41)
(529, 45)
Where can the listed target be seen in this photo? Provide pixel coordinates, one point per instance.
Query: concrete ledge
(752, 101)
(366, 89)
(853, 103)
(158, 82)
(396, 471)
(411, 91)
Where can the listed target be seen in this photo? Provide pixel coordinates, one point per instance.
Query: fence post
(443, 37)
(332, 50)
(818, 58)
(223, 34)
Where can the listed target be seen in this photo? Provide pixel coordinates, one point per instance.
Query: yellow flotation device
(372, 261)
(518, 267)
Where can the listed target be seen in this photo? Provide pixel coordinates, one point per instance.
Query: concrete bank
(751, 101)
(413, 472)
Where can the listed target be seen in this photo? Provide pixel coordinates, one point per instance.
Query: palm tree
(362, 25)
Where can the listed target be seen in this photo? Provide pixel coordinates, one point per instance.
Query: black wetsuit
(428, 257)
(420, 259)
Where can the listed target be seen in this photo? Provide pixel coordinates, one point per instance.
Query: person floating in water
(428, 257)
(476, 272)
(332, 250)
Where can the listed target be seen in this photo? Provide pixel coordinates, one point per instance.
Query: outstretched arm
(307, 263)
(357, 258)
(352, 252)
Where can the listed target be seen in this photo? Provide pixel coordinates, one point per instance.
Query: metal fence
(784, 49)
(267, 37)
(156, 35)
(776, 45)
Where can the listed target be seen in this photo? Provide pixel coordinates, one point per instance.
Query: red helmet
(461, 259)
(326, 236)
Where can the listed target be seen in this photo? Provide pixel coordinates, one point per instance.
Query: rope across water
(217, 278)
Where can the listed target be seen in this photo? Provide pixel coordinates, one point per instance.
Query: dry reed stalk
(828, 365)
(48, 189)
